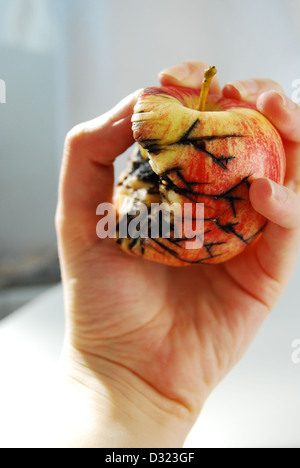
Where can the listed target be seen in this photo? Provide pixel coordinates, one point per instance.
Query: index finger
(87, 172)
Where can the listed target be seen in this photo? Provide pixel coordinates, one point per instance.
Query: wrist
(124, 410)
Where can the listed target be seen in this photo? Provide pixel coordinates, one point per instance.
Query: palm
(165, 324)
(180, 330)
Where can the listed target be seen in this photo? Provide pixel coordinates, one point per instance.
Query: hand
(153, 341)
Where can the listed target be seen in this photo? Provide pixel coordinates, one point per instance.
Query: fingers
(189, 75)
(276, 202)
(269, 98)
(87, 173)
(103, 138)
(282, 112)
(249, 90)
(278, 246)
(92, 146)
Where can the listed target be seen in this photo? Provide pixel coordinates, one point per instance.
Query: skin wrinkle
(248, 292)
(164, 337)
(174, 407)
(130, 394)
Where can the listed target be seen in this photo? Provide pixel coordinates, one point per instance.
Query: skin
(146, 343)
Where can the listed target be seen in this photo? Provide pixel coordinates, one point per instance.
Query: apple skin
(209, 157)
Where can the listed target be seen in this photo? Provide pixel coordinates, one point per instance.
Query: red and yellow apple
(197, 150)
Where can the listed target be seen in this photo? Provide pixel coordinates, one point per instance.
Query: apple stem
(209, 73)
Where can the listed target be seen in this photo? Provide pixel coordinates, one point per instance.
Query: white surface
(257, 405)
(30, 344)
(33, 335)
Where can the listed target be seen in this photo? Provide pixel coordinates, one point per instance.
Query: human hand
(150, 340)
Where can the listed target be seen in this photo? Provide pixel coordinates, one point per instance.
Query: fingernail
(279, 192)
(180, 71)
(245, 88)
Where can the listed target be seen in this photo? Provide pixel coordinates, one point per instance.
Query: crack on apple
(168, 184)
(175, 254)
(162, 243)
(222, 161)
(229, 228)
(259, 231)
(159, 244)
(186, 135)
(152, 145)
(175, 180)
(228, 196)
(186, 139)
(191, 194)
(200, 144)
(138, 243)
(142, 170)
(210, 245)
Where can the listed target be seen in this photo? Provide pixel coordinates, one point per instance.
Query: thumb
(277, 249)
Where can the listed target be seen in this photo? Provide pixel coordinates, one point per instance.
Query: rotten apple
(195, 151)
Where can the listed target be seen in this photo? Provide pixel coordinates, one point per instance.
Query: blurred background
(66, 61)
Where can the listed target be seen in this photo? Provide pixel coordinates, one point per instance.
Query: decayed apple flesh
(186, 156)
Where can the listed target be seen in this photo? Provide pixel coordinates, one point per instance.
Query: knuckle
(76, 137)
